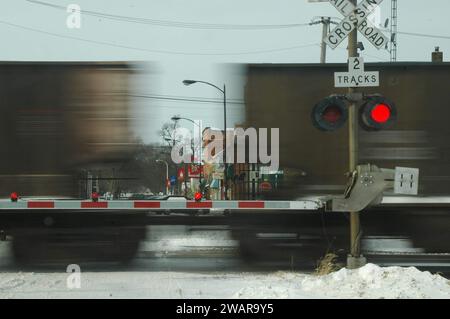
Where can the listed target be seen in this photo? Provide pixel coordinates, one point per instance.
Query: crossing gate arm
(142, 205)
(365, 188)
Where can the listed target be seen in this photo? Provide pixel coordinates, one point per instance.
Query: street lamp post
(167, 174)
(177, 118)
(190, 82)
(174, 140)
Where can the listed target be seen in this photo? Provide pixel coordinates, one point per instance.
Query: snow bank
(370, 281)
(263, 292)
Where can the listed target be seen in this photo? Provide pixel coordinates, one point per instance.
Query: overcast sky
(167, 33)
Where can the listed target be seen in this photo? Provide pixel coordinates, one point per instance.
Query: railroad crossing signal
(356, 76)
(375, 113)
(356, 17)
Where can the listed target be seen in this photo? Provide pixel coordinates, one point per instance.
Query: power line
(424, 35)
(186, 99)
(117, 45)
(415, 34)
(194, 97)
(175, 24)
(367, 54)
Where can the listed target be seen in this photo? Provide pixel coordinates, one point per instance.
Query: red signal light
(330, 114)
(14, 197)
(95, 196)
(377, 113)
(381, 113)
(198, 196)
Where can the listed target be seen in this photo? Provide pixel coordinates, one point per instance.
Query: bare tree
(168, 133)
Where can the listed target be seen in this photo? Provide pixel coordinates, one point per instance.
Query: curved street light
(190, 82)
(177, 118)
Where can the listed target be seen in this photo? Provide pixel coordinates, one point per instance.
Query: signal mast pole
(354, 260)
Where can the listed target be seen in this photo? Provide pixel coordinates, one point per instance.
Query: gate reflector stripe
(199, 204)
(39, 204)
(222, 204)
(94, 204)
(277, 205)
(251, 204)
(140, 204)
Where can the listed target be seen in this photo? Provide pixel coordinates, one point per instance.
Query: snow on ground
(369, 281)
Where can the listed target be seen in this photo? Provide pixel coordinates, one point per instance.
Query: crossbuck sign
(356, 17)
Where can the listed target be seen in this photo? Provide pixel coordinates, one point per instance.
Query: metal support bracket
(367, 184)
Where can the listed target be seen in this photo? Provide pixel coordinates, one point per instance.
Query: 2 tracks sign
(356, 75)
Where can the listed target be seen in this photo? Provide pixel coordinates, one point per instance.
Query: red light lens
(381, 113)
(95, 196)
(14, 197)
(332, 114)
(198, 196)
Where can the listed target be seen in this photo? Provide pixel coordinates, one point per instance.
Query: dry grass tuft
(327, 264)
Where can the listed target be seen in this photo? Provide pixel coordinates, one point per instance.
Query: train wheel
(54, 247)
(257, 246)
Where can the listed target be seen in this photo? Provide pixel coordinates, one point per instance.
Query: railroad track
(428, 261)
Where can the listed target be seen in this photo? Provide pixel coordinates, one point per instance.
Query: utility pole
(354, 260)
(323, 48)
(225, 177)
(325, 21)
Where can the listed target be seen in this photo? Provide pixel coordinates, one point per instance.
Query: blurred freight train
(60, 118)
(60, 121)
